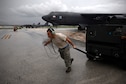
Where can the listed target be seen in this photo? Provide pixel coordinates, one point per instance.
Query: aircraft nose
(45, 17)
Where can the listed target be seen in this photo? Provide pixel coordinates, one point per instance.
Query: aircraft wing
(98, 15)
(102, 16)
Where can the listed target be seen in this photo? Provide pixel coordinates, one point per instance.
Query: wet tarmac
(24, 60)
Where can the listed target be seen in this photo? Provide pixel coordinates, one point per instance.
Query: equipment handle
(84, 52)
(81, 50)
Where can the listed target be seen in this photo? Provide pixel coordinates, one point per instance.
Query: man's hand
(46, 42)
(74, 46)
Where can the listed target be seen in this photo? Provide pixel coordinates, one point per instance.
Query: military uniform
(64, 48)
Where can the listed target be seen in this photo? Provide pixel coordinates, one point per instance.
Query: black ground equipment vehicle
(106, 41)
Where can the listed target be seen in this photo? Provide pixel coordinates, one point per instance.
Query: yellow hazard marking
(7, 36)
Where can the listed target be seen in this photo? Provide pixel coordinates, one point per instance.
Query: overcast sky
(30, 11)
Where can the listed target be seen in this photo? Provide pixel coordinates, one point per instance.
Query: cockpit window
(60, 17)
(54, 16)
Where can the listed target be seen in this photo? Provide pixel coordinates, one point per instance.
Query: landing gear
(79, 28)
(15, 28)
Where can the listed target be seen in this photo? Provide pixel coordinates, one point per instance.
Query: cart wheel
(90, 57)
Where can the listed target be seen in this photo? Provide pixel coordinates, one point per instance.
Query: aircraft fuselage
(64, 18)
(70, 18)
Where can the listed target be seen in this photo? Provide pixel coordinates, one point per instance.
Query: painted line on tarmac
(7, 36)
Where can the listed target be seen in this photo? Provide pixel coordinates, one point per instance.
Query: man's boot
(68, 70)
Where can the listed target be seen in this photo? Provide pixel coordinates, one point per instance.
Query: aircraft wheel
(79, 28)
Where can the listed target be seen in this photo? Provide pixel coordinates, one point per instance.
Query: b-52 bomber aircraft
(83, 19)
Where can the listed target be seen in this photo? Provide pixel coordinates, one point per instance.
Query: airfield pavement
(24, 60)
